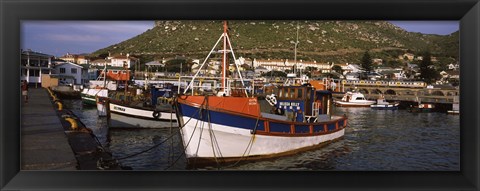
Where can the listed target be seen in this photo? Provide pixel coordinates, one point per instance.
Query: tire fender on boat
(271, 99)
(156, 114)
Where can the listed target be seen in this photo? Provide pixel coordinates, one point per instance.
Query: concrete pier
(54, 139)
(44, 144)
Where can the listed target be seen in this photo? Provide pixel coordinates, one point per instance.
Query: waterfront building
(116, 61)
(75, 58)
(33, 64)
(283, 65)
(347, 68)
(120, 60)
(71, 73)
(100, 62)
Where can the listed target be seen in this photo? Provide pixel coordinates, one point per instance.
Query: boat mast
(104, 77)
(226, 43)
(295, 57)
(224, 59)
(126, 85)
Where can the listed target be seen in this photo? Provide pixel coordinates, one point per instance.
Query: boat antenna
(291, 76)
(295, 57)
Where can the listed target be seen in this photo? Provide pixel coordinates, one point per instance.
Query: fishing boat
(232, 125)
(354, 99)
(97, 88)
(140, 110)
(383, 104)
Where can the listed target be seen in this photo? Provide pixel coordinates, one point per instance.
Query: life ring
(362, 82)
(156, 114)
(344, 81)
(378, 82)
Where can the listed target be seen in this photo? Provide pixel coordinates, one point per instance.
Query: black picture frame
(12, 12)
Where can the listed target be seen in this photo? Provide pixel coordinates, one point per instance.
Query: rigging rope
(160, 143)
(190, 139)
(249, 145)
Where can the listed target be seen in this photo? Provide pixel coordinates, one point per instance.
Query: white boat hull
(229, 142)
(384, 106)
(453, 112)
(88, 95)
(127, 117)
(354, 104)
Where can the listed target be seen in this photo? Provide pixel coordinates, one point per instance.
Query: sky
(58, 38)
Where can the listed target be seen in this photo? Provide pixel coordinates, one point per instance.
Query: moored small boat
(89, 95)
(98, 88)
(126, 116)
(383, 104)
(135, 111)
(354, 99)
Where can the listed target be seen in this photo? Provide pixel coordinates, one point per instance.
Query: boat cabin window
(285, 93)
(292, 93)
(280, 93)
(300, 93)
(360, 98)
(308, 93)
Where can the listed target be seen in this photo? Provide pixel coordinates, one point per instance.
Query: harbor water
(375, 140)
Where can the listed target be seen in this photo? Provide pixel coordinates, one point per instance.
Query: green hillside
(323, 41)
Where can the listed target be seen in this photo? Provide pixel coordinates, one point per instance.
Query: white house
(75, 58)
(71, 73)
(453, 66)
(120, 60)
(100, 62)
(33, 64)
(354, 68)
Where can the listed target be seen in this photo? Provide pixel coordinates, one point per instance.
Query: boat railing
(315, 112)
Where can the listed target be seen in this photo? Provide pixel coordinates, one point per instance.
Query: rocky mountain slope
(323, 41)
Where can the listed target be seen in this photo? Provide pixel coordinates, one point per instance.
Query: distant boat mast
(295, 58)
(294, 73)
